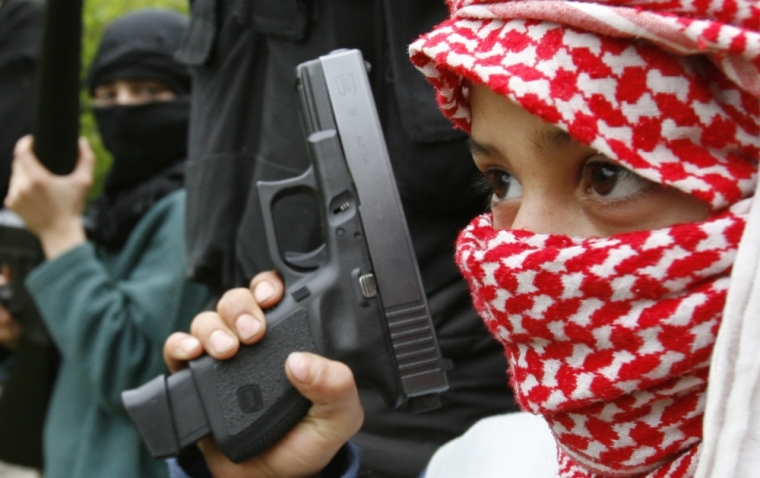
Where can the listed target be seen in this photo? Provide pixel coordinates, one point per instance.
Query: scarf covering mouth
(609, 339)
(668, 89)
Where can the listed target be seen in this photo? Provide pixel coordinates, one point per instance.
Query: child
(621, 144)
(110, 302)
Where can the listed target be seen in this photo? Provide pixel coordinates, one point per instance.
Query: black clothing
(148, 142)
(26, 393)
(20, 38)
(143, 139)
(113, 215)
(245, 127)
(140, 46)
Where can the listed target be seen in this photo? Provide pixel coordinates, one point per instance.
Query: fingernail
(300, 366)
(247, 326)
(221, 341)
(189, 345)
(263, 291)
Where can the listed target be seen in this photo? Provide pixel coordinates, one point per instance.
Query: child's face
(132, 92)
(545, 182)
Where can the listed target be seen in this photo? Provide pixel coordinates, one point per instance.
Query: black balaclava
(148, 141)
(139, 46)
(143, 139)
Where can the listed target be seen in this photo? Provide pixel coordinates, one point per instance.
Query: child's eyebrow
(551, 139)
(477, 147)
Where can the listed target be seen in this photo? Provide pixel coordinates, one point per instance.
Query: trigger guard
(307, 260)
(269, 191)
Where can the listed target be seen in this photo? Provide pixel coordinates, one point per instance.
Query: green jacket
(109, 314)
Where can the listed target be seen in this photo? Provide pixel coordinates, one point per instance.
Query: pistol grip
(249, 402)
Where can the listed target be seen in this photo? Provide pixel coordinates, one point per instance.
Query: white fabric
(517, 445)
(8, 470)
(731, 440)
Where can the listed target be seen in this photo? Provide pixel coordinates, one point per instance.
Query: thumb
(86, 160)
(331, 388)
(26, 160)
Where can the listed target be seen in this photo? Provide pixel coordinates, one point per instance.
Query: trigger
(307, 260)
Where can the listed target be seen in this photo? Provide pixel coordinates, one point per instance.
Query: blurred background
(97, 14)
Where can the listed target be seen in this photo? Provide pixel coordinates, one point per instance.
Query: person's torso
(86, 434)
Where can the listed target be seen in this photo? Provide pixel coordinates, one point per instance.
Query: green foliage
(98, 14)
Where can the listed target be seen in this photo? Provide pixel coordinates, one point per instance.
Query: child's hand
(50, 205)
(335, 416)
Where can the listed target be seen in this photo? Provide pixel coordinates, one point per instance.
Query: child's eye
(143, 92)
(503, 185)
(608, 180)
(104, 95)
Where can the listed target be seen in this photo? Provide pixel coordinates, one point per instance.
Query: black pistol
(358, 298)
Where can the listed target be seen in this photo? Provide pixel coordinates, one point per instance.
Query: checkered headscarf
(609, 72)
(610, 338)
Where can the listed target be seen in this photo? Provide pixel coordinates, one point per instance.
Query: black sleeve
(20, 35)
(192, 463)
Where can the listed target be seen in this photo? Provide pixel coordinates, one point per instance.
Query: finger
(85, 162)
(26, 159)
(267, 288)
(18, 187)
(334, 418)
(85, 150)
(179, 348)
(239, 310)
(217, 338)
(19, 180)
(336, 413)
(23, 145)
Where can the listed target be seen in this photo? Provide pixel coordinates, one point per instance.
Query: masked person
(621, 146)
(110, 302)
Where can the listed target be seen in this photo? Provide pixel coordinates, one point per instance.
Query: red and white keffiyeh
(609, 339)
(599, 70)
